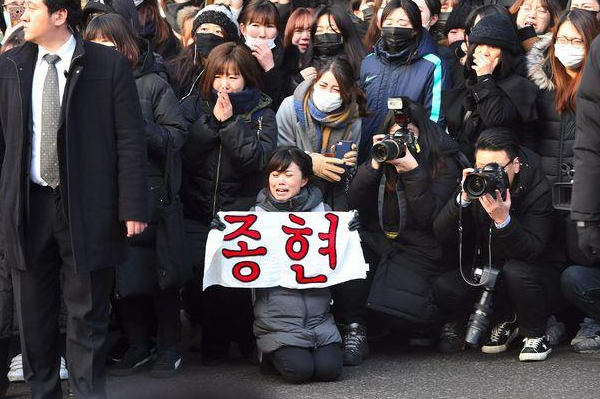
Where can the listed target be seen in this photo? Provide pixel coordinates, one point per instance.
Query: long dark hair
(566, 88)
(349, 91)
(149, 9)
(353, 48)
(116, 29)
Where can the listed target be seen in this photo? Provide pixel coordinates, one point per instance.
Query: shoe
(355, 345)
(588, 329)
(15, 373)
(588, 345)
(117, 351)
(135, 357)
(535, 349)
(555, 331)
(452, 337)
(168, 363)
(64, 373)
(501, 336)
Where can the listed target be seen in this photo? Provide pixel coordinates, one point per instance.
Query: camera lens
(475, 185)
(385, 150)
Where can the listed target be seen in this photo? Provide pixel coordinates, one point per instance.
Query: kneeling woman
(293, 327)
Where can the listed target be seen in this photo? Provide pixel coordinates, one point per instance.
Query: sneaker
(588, 345)
(354, 344)
(135, 357)
(452, 337)
(535, 349)
(501, 336)
(588, 329)
(555, 331)
(168, 363)
(64, 373)
(15, 373)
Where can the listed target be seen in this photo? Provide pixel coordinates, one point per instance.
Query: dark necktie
(50, 117)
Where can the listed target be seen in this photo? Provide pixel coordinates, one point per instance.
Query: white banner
(287, 249)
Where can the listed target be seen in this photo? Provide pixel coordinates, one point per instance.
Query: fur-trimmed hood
(538, 70)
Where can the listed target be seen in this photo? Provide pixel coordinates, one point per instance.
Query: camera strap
(402, 207)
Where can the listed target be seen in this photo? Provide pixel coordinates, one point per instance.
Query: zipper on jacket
(560, 146)
(20, 171)
(217, 176)
(314, 340)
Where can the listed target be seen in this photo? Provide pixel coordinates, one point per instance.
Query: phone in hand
(342, 147)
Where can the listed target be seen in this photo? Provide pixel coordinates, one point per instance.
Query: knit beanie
(458, 17)
(496, 30)
(218, 14)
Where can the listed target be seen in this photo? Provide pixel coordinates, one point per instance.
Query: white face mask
(251, 42)
(568, 55)
(325, 100)
(236, 12)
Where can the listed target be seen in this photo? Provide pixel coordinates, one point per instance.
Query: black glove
(354, 224)
(217, 223)
(589, 240)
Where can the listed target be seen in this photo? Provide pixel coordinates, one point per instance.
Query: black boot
(354, 343)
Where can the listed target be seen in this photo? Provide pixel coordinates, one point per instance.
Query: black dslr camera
(395, 144)
(487, 180)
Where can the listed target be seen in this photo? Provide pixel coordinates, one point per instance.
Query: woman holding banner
(293, 327)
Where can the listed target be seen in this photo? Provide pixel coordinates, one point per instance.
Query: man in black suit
(72, 188)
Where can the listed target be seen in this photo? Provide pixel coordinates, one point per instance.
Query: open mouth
(282, 191)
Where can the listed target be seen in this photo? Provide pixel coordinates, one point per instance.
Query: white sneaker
(15, 374)
(587, 329)
(64, 373)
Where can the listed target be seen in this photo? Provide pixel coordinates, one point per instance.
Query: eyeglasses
(539, 11)
(576, 42)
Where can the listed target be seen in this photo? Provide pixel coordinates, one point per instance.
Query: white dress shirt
(39, 76)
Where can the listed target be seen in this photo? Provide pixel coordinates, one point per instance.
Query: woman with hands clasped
(323, 111)
(496, 92)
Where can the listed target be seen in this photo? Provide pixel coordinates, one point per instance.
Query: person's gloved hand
(589, 240)
(326, 168)
(217, 223)
(354, 224)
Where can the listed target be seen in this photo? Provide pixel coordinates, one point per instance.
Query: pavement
(393, 371)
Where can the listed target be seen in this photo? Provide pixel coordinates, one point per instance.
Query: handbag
(171, 269)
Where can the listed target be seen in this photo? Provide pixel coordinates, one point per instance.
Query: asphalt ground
(393, 371)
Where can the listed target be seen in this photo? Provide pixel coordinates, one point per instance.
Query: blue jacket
(384, 75)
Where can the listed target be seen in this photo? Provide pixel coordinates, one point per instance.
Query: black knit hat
(496, 30)
(458, 17)
(218, 14)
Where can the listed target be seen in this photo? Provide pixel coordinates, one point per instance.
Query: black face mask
(368, 14)
(397, 39)
(284, 10)
(205, 42)
(328, 43)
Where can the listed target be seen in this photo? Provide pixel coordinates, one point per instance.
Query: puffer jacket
(384, 75)
(294, 317)
(223, 162)
(555, 132)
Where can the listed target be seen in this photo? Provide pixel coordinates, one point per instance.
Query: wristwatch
(582, 223)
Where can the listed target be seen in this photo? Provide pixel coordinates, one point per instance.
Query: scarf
(318, 124)
(243, 102)
(308, 198)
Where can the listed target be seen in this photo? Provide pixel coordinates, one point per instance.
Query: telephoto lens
(480, 319)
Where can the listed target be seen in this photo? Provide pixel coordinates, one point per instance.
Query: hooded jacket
(125, 8)
(384, 75)
(555, 132)
(294, 317)
(530, 235)
(223, 162)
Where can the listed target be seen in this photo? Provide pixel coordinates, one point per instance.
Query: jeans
(581, 286)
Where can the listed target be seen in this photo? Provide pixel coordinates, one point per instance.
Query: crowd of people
(126, 125)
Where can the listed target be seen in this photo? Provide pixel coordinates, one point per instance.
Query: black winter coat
(490, 101)
(530, 235)
(555, 132)
(586, 185)
(100, 144)
(224, 163)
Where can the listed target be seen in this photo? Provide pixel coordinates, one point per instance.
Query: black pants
(139, 316)
(533, 290)
(454, 296)
(299, 365)
(38, 299)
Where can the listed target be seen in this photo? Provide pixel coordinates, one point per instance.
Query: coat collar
(537, 68)
(25, 56)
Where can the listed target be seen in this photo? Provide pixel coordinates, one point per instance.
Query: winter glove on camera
(354, 224)
(217, 223)
(326, 168)
(589, 240)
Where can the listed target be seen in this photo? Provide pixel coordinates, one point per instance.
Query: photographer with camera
(398, 193)
(508, 222)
